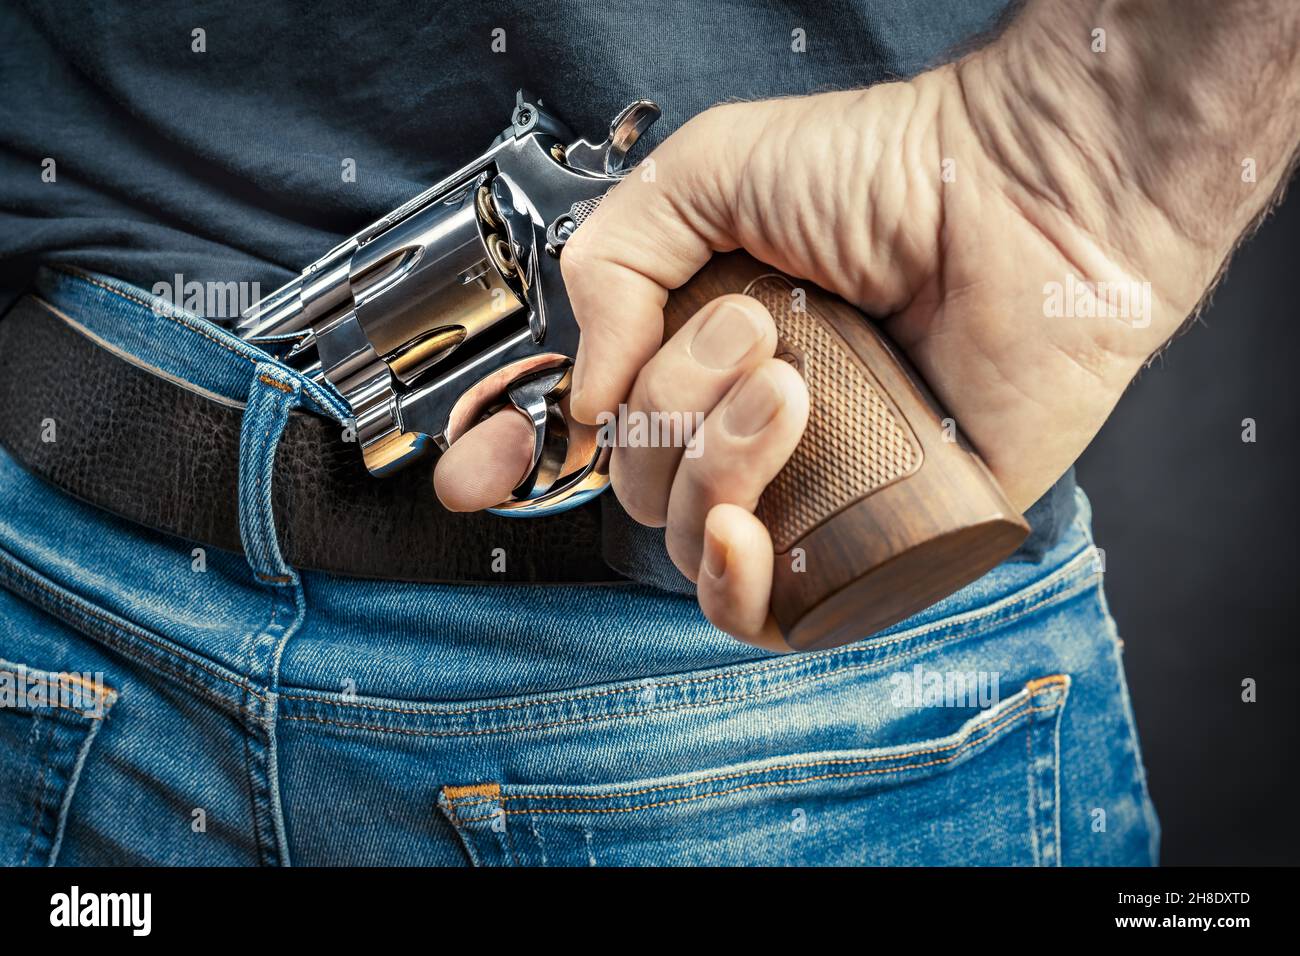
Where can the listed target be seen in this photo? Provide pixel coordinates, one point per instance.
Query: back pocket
(48, 722)
(987, 792)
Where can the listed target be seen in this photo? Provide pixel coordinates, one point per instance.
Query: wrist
(1067, 143)
(1160, 128)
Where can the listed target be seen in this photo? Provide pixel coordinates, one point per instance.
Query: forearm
(1165, 137)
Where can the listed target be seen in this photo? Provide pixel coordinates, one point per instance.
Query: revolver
(452, 307)
(427, 319)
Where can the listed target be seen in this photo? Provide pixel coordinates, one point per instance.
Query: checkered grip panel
(854, 443)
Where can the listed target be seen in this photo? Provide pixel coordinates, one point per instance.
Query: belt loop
(272, 396)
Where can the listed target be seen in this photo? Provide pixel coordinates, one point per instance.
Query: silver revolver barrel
(453, 305)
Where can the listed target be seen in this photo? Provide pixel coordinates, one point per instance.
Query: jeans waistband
(176, 343)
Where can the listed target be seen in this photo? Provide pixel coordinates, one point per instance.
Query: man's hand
(969, 209)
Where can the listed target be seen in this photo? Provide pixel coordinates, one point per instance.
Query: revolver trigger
(537, 395)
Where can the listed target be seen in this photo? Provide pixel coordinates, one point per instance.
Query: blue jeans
(169, 704)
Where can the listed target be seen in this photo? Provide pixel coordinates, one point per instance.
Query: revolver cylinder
(433, 282)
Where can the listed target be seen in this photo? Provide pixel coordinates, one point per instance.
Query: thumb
(650, 234)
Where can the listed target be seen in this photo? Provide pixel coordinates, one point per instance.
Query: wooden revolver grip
(879, 513)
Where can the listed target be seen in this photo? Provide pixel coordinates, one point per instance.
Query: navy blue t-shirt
(211, 143)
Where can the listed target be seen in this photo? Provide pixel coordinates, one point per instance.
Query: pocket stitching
(103, 702)
(998, 728)
(38, 796)
(118, 633)
(1033, 784)
(983, 616)
(1055, 598)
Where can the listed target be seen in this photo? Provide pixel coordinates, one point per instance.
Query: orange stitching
(996, 720)
(726, 674)
(453, 794)
(760, 784)
(274, 384)
(1036, 685)
(472, 790)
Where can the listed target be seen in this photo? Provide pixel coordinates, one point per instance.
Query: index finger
(651, 233)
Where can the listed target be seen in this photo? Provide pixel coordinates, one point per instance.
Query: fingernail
(726, 337)
(715, 555)
(753, 406)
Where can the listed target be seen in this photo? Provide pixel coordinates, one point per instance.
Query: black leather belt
(157, 453)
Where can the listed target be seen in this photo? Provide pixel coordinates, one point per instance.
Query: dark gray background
(1199, 531)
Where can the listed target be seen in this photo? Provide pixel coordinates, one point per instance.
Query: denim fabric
(233, 710)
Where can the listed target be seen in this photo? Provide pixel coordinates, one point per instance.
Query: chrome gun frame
(427, 319)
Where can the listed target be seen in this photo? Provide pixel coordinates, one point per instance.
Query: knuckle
(725, 132)
(724, 476)
(651, 385)
(683, 556)
(578, 258)
(638, 498)
(720, 116)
